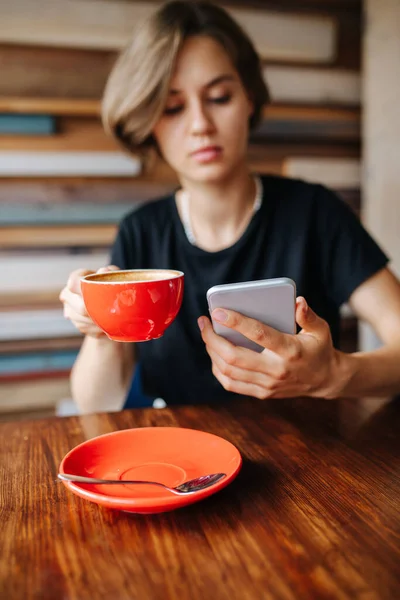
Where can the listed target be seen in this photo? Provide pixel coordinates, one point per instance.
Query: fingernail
(220, 315)
(200, 323)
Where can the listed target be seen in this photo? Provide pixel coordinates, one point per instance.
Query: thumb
(307, 319)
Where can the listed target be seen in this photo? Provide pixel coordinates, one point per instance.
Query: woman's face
(203, 131)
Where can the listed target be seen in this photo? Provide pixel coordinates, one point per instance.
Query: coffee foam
(126, 276)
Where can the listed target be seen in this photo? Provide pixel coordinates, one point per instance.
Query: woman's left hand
(305, 364)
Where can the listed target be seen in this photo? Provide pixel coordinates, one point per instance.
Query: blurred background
(333, 70)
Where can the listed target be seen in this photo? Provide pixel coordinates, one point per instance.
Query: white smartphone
(270, 301)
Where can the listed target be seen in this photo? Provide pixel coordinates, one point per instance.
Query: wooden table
(314, 512)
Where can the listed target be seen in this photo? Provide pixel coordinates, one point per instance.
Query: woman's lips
(207, 154)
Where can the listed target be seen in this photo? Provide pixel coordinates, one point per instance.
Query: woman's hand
(305, 364)
(74, 307)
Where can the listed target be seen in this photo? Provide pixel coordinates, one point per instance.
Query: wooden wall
(64, 185)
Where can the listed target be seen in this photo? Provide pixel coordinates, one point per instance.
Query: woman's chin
(212, 173)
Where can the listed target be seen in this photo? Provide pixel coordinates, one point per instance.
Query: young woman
(190, 87)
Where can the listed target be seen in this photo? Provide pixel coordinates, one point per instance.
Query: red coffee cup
(133, 305)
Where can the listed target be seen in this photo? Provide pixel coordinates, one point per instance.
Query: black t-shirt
(302, 231)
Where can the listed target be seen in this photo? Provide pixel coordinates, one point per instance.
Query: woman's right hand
(74, 306)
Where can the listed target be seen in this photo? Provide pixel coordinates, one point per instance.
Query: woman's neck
(218, 213)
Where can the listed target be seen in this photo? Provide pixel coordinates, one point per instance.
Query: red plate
(169, 455)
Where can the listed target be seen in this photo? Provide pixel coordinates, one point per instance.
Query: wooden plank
(81, 213)
(331, 7)
(46, 22)
(348, 39)
(68, 236)
(36, 364)
(53, 72)
(35, 376)
(47, 298)
(43, 272)
(34, 324)
(73, 134)
(56, 164)
(303, 124)
(67, 191)
(349, 42)
(281, 150)
(290, 37)
(302, 113)
(335, 173)
(9, 347)
(82, 107)
(33, 395)
(40, 126)
(313, 86)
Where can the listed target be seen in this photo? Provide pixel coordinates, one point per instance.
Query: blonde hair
(137, 88)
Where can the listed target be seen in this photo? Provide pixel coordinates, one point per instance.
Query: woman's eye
(221, 99)
(173, 110)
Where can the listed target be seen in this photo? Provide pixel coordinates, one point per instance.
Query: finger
(77, 318)
(74, 302)
(239, 387)
(231, 353)
(271, 391)
(267, 361)
(74, 280)
(61, 295)
(265, 336)
(239, 374)
(84, 325)
(108, 268)
(209, 336)
(308, 320)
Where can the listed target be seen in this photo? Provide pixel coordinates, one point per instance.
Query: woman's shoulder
(302, 196)
(292, 188)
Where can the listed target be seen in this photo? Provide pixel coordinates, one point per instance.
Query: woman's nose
(200, 120)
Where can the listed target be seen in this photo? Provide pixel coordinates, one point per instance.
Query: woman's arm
(376, 301)
(307, 364)
(103, 369)
(101, 374)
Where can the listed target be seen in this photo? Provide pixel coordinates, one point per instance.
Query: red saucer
(169, 455)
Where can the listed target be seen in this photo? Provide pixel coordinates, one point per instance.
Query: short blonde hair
(138, 85)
